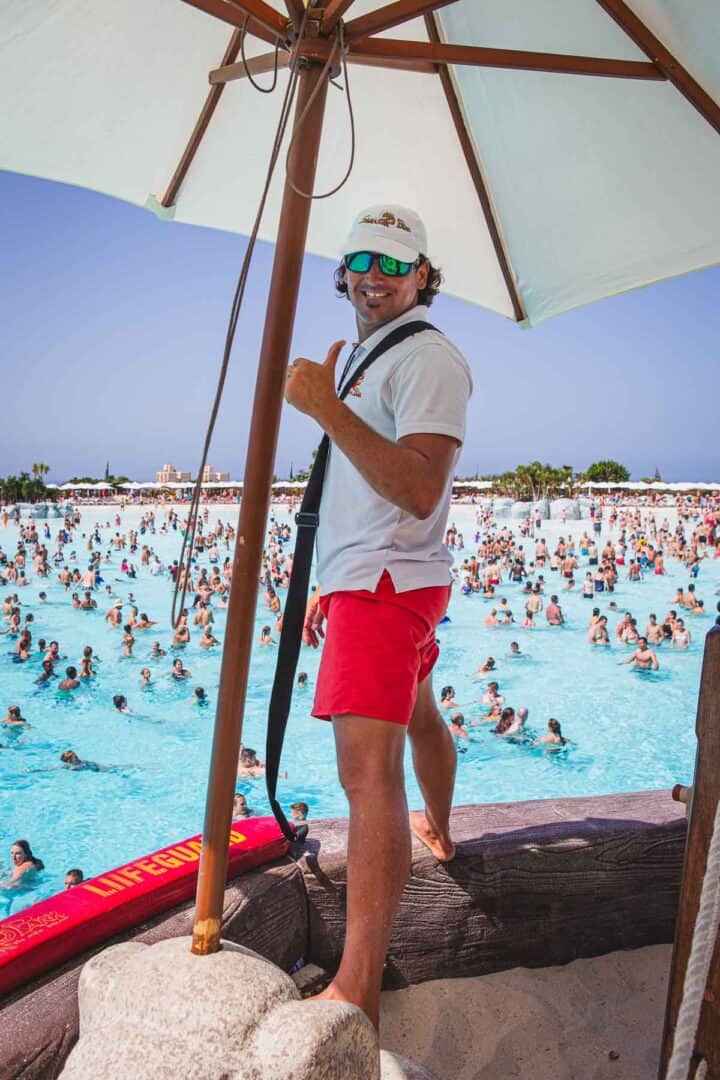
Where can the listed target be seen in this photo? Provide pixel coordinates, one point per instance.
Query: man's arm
(411, 473)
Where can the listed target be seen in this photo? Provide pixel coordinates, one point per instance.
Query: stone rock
(157, 1011)
(325, 1040)
(396, 1067)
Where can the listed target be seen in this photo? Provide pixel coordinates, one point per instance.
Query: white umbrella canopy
(592, 185)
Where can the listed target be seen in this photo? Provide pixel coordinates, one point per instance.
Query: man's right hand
(314, 619)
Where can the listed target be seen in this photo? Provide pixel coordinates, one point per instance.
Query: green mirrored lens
(391, 266)
(359, 262)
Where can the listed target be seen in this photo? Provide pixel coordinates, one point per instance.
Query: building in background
(211, 476)
(170, 475)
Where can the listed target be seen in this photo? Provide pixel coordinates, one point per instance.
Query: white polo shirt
(420, 386)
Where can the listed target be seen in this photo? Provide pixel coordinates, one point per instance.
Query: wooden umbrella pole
(262, 442)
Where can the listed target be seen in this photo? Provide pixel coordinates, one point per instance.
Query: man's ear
(421, 274)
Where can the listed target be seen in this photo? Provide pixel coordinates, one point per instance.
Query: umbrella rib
(265, 22)
(385, 18)
(440, 53)
(673, 70)
(333, 13)
(231, 72)
(296, 11)
(473, 163)
(395, 63)
(206, 113)
(256, 65)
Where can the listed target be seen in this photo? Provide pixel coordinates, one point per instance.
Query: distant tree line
(27, 487)
(536, 481)
(31, 487)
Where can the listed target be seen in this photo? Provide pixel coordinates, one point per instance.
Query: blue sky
(113, 325)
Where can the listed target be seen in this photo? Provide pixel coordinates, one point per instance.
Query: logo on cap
(387, 219)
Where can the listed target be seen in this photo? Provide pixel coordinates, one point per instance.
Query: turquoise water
(628, 731)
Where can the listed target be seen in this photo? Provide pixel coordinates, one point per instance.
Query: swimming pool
(628, 731)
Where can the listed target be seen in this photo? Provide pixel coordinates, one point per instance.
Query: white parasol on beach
(560, 151)
(474, 485)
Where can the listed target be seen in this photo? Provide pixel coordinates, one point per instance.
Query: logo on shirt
(355, 388)
(388, 220)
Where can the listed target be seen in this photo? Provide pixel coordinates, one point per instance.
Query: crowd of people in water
(52, 560)
(642, 547)
(582, 561)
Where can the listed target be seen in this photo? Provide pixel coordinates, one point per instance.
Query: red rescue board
(69, 923)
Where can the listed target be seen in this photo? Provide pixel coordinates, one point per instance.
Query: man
(71, 681)
(553, 612)
(72, 878)
(534, 602)
(643, 659)
(241, 809)
(598, 632)
(456, 726)
(384, 573)
(114, 614)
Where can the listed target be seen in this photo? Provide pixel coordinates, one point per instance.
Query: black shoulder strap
(307, 521)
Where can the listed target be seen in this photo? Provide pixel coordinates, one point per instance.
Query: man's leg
(435, 761)
(370, 764)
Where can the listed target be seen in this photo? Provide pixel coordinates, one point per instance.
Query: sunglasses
(361, 261)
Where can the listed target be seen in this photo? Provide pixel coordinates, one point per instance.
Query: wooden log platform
(533, 884)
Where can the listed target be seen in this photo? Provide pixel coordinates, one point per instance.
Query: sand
(597, 1019)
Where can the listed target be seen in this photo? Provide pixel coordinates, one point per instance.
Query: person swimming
(23, 863)
(492, 694)
(14, 718)
(488, 665)
(178, 672)
(506, 721)
(71, 681)
(71, 761)
(554, 738)
(447, 698)
(456, 724)
(250, 764)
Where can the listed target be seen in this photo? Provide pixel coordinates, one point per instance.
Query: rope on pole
(698, 967)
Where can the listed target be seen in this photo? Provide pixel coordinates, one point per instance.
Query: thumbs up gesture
(310, 386)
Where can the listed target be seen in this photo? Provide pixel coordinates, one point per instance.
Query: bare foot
(334, 993)
(442, 848)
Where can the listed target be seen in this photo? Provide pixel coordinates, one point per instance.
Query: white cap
(388, 230)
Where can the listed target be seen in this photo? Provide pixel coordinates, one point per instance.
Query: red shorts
(378, 647)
